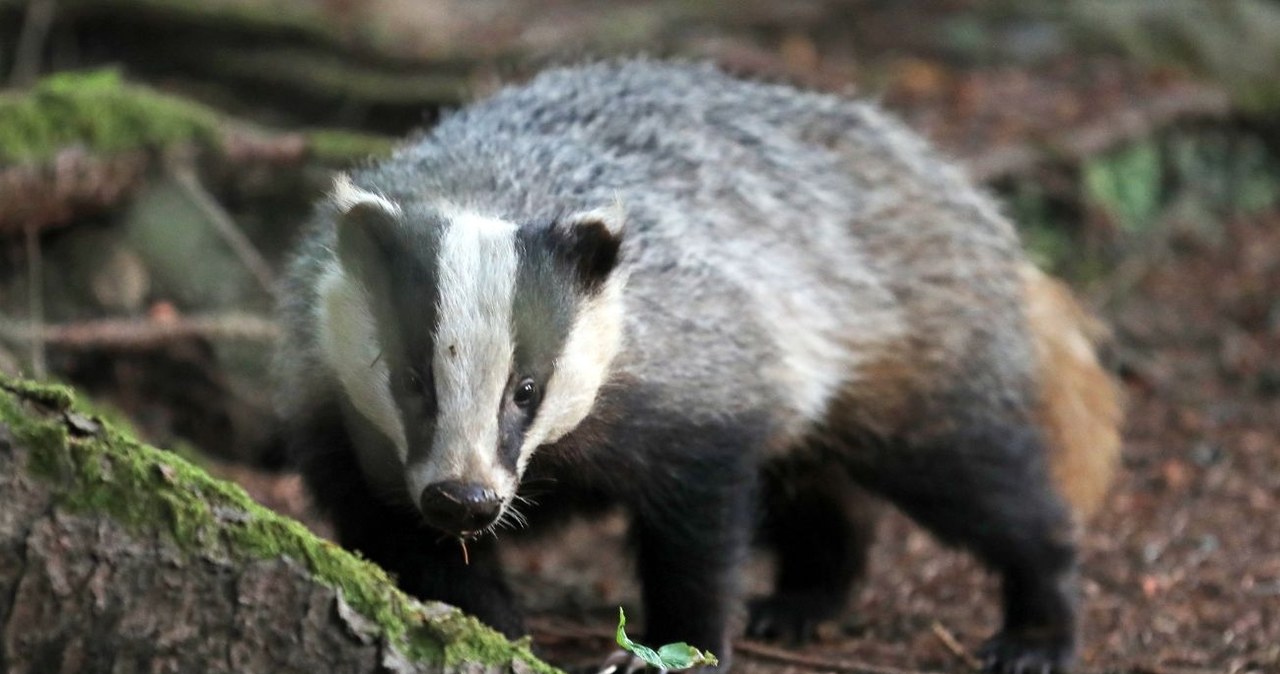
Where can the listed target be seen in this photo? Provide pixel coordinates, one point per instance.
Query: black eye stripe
(418, 382)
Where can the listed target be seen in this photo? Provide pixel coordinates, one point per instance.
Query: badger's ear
(592, 240)
(367, 225)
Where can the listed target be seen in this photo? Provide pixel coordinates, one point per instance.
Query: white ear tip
(343, 192)
(346, 196)
(613, 217)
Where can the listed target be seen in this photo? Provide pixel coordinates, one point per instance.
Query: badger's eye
(525, 393)
(414, 382)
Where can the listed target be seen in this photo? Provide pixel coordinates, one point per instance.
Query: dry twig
(558, 630)
(226, 227)
(949, 640)
(142, 334)
(35, 301)
(844, 666)
(1003, 161)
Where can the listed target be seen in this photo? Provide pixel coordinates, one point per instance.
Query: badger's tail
(1080, 404)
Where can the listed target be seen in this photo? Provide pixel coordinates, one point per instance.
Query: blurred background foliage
(157, 157)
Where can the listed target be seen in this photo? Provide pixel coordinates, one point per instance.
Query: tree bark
(116, 557)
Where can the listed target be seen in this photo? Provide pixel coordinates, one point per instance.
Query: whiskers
(527, 500)
(510, 518)
(534, 487)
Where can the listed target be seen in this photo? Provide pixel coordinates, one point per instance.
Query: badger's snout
(459, 507)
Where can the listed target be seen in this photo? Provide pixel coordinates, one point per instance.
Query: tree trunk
(117, 557)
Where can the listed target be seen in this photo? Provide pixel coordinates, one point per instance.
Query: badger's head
(468, 340)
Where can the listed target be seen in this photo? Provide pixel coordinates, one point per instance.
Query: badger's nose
(458, 507)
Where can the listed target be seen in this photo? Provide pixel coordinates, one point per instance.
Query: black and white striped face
(469, 341)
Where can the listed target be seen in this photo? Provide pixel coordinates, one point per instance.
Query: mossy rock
(93, 468)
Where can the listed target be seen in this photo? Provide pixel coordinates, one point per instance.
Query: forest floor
(1181, 567)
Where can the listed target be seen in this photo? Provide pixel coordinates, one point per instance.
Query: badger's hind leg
(987, 488)
(820, 524)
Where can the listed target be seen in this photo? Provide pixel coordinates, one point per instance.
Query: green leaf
(670, 657)
(1126, 184)
(679, 655)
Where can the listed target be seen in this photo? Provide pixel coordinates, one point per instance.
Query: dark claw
(789, 618)
(1021, 653)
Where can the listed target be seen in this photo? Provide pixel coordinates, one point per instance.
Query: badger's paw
(789, 617)
(1026, 652)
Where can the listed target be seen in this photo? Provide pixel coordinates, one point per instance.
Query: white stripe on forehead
(473, 347)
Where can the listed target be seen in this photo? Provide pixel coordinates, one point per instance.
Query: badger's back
(787, 251)
(805, 233)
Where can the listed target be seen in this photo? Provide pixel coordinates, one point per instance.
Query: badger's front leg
(691, 528)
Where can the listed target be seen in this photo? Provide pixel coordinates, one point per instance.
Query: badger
(733, 309)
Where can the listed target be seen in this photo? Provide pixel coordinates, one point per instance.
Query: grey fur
(756, 214)
(802, 275)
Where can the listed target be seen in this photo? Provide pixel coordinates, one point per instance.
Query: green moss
(97, 110)
(56, 396)
(1126, 184)
(95, 467)
(100, 112)
(332, 146)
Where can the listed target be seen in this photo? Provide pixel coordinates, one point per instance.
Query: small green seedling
(670, 657)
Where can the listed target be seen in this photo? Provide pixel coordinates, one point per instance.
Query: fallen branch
(775, 654)
(80, 143)
(142, 334)
(226, 227)
(72, 185)
(1191, 102)
(949, 640)
(1173, 669)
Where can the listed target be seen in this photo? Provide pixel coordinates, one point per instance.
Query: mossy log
(78, 143)
(117, 557)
